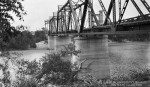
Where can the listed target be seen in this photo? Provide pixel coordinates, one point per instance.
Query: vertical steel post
(114, 16)
(90, 19)
(71, 22)
(45, 26)
(119, 4)
(54, 21)
(49, 26)
(57, 22)
(65, 24)
(61, 22)
(109, 11)
(84, 16)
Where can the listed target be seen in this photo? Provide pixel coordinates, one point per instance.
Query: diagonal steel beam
(109, 11)
(74, 15)
(123, 11)
(93, 14)
(69, 20)
(63, 6)
(104, 10)
(146, 5)
(137, 7)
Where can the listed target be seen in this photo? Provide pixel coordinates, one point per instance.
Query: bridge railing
(137, 18)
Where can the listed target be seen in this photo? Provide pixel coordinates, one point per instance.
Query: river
(104, 58)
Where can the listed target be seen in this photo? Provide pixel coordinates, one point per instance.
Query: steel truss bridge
(79, 18)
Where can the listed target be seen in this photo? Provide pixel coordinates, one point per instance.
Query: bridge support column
(52, 43)
(48, 42)
(96, 53)
(105, 39)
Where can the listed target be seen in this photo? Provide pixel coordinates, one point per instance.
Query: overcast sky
(40, 10)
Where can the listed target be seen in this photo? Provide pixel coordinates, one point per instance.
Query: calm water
(103, 58)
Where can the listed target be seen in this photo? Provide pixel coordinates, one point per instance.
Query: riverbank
(33, 53)
(102, 57)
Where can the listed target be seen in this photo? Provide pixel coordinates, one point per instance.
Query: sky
(40, 10)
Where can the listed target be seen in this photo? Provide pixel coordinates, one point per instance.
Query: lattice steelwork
(80, 18)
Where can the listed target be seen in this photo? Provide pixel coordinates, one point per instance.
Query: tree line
(133, 37)
(26, 40)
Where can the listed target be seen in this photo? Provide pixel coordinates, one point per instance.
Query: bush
(140, 75)
(55, 70)
(26, 83)
(21, 41)
(33, 45)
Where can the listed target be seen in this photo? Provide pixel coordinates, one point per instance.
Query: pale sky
(40, 10)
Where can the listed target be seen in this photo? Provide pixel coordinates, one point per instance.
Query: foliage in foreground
(26, 83)
(52, 69)
(8, 8)
(55, 70)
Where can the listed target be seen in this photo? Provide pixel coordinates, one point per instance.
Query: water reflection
(94, 50)
(128, 56)
(148, 54)
(103, 57)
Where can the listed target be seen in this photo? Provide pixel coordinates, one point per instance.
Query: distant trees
(39, 35)
(133, 37)
(22, 41)
(26, 40)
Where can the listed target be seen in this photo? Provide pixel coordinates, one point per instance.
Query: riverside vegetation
(52, 69)
(133, 37)
(26, 39)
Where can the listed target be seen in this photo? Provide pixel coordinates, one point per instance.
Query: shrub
(26, 83)
(55, 70)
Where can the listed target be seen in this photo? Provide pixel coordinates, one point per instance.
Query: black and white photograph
(74, 43)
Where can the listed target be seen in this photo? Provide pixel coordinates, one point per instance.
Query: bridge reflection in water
(105, 58)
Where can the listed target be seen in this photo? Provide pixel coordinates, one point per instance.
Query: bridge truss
(80, 18)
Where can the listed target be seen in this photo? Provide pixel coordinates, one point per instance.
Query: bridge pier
(48, 42)
(52, 43)
(97, 55)
(105, 38)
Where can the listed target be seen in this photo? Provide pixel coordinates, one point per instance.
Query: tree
(22, 41)
(7, 9)
(40, 35)
(55, 70)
